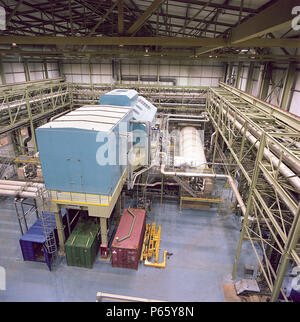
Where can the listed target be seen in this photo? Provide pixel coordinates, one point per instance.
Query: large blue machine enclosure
(85, 151)
(80, 152)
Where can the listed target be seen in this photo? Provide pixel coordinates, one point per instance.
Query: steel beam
(265, 80)
(249, 77)
(108, 12)
(287, 86)
(3, 79)
(120, 17)
(218, 6)
(288, 118)
(276, 17)
(13, 12)
(143, 18)
(292, 241)
(147, 41)
(45, 69)
(238, 75)
(26, 70)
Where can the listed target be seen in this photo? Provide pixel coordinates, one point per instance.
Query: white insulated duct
(284, 170)
(191, 149)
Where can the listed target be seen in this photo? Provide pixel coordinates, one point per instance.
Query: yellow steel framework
(264, 143)
(27, 104)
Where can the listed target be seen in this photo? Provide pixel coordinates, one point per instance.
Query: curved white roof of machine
(90, 117)
(130, 93)
(144, 110)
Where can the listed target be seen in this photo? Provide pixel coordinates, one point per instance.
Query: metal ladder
(48, 225)
(4, 166)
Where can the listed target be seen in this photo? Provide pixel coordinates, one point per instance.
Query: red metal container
(126, 253)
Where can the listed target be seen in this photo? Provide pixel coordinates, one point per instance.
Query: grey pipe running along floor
(203, 245)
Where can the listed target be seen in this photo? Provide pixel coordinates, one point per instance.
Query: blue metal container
(33, 244)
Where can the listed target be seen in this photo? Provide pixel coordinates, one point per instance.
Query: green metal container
(83, 244)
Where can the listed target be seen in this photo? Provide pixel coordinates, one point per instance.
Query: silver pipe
(294, 165)
(11, 187)
(180, 104)
(284, 170)
(22, 183)
(16, 193)
(190, 120)
(212, 141)
(156, 184)
(202, 115)
(210, 175)
(287, 202)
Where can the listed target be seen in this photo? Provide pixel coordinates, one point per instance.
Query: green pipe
(131, 227)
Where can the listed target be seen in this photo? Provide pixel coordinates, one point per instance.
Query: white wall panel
(164, 70)
(84, 69)
(7, 67)
(295, 104)
(106, 69)
(85, 78)
(106, 79)
(10, 78)
(53, 73)
(95, 68)
(96, 78)
(36, 76)
(17, 67)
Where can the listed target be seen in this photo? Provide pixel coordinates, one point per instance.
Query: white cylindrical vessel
(191, 148)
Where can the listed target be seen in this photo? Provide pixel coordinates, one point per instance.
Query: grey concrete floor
(203, 245)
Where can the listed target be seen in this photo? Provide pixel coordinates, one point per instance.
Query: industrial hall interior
(149, 151)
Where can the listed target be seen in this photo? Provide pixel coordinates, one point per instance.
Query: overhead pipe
(209, 175)
(149, 79)
(294, 165)
(293, 209)
(202, 115)
(189, 120)
(156, 184)
(22, 183)
(284, 170)
(199, 118)
(17, 193)
(180, 104)
(11, 187)
(212, 141)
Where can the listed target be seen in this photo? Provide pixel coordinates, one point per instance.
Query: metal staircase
(185, 186)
